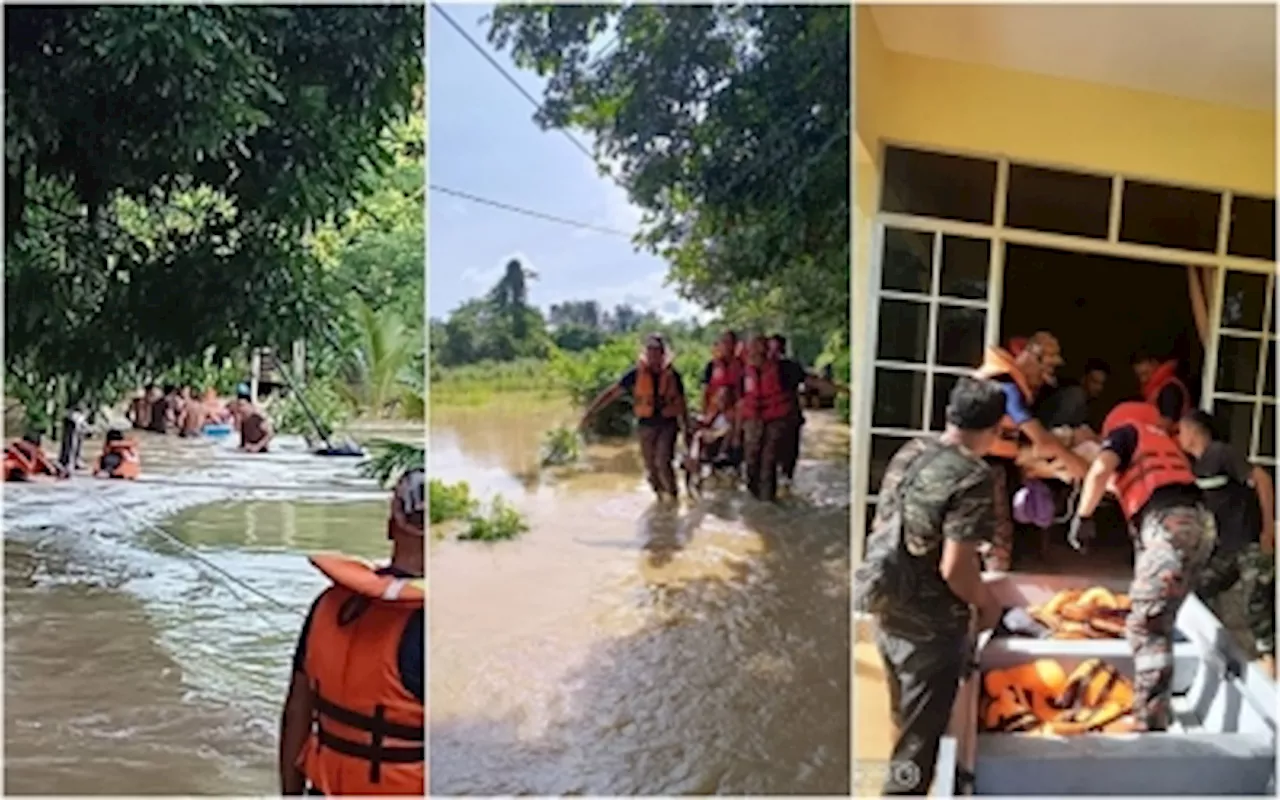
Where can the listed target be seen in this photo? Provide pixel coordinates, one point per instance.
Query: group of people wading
(750, 420)
(1198, 515)
(173, 409)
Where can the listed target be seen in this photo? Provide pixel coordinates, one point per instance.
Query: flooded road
(130, 667)
(619, 649)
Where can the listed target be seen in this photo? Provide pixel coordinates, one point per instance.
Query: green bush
(500, 523)
(450, 501)
(329, 406)
(391, 459)
(560, 447)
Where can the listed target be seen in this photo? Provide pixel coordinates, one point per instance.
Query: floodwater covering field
(130, 667)
(618, 648)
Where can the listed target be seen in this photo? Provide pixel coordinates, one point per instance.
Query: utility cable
(528, 212)
(197, 555)
(457, 26)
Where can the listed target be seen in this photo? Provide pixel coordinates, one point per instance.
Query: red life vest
(726, 373)
(763, 397)
(999, 363)
(1157, 461)
(1166, 375)
(369, 731)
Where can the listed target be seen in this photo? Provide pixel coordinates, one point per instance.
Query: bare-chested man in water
(255, 429)
(191, 417)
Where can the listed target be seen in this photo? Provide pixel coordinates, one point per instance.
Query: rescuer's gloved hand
(1083, 532)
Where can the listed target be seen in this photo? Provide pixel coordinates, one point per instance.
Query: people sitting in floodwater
(255, 429)
(216, 412)
(25, 459)
(139, 413)
(160, 416)
(191, 414)
(119, 458)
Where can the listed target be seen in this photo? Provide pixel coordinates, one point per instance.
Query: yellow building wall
(1041, 120)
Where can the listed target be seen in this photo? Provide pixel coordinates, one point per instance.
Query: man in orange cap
(355, 717)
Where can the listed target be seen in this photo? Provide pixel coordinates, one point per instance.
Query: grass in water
(500, 523)
(560, 447)
(450, 501)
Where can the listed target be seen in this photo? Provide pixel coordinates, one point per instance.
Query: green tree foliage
(501, 326)
(164, 165)
(728, 124)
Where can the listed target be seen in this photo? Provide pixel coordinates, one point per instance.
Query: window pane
(1170, 217)
(904, 331)
(908, 261)
(1267, 433)
(934, 185)
(1237, 365)
(1253, 228)
(1058, 202)
(1235, 422)
(961, 336)
(942, 386)
(965, 265)
(899, 399)
(1244, 300)
(882, 450)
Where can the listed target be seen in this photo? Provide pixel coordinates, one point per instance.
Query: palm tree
(510, 296)
(378, 371)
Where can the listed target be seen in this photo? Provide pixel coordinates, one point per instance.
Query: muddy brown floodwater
(131, 669)
(618, 649)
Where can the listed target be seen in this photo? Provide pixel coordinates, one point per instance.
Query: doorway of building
(1107, 308)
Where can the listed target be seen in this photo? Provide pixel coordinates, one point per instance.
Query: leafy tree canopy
(728, 124)
(165, 164)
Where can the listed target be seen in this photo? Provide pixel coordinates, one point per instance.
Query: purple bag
(1033, 504)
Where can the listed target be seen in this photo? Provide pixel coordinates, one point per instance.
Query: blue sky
(483, 141)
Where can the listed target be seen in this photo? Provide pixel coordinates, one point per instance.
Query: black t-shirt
(412, 645)
(1226, 479)
(628, 382)
(1171, 401)
(1123, 441)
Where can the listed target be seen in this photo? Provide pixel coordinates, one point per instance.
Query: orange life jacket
(763, 396)
(368, 732)
(1157, 461)
(664, 398)
(998, 363)
(1166, 375)
(24, 460)
(130, 464)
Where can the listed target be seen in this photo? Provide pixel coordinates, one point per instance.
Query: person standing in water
(661, 411)
(139, 413)
(192, 416)
(158, 417)
(255, 429)
(354, 719)
(1173, 532)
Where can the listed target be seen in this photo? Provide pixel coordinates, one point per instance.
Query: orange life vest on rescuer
(20, 460)
(1166, 375)
(1157, 461)
(998, 363)
(127, 466)
(664, 398)
(368, 732)
(763, 397)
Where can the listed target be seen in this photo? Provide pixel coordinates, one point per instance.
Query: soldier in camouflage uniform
(1174, 536)
(1238, 583)
(942, 490)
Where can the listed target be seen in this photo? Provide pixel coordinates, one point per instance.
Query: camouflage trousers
(997, 554)
(1172, 548)
(1240, 588)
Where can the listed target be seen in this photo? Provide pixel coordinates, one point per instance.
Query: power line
(528, 212)
(511, 80)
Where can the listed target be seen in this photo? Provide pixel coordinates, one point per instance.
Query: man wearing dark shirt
(661, 410)
(793, 376)
(1242, 499)
(1162, 387)
(1173, 538)
(1068, 406)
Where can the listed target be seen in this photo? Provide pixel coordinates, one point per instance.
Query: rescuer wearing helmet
(1173, 537)
(355, 717)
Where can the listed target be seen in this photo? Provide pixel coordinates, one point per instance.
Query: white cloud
(619, 212)
(647, 293)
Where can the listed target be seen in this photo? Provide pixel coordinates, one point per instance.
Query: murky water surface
(618, 648)
(131, 668)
